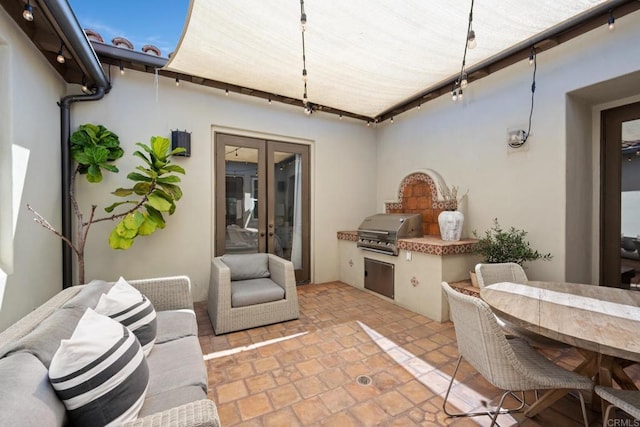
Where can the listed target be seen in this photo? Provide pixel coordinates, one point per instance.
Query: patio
(304, 372)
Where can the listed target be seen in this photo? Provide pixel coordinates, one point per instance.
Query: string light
(303, 17)
(391, 119)
(27, 13)
(611, 22)
(84, 87)
(462, 80)
(419, 106)
(269, 100)
(521, 139)
(121, 70)
(532, 56)
(340, 117)
(226, 92)
(60, 58)
(177, 82)
(308, 107)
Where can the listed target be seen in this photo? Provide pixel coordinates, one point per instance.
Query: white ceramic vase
(450, 223)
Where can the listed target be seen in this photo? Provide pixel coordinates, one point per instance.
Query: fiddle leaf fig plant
(154, 192)
(156, 186)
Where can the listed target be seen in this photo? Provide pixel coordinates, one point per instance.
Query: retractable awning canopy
(362, 56)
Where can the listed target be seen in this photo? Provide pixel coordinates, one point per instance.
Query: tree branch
(44, 223)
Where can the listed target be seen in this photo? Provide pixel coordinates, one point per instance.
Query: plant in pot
(94, 149)
(499, 245)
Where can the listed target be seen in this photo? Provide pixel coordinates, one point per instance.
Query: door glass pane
(630, 208)
(287, 207)
(241, 200)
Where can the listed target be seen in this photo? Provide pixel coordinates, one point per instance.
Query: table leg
(621, 377)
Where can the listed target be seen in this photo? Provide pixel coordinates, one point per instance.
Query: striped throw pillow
(100, 373)
(128, 306)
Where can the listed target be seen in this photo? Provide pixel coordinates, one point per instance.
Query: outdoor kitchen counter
(421, 265)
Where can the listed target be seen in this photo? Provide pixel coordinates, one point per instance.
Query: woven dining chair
(511, 365)
(488, 274)
(627, 400)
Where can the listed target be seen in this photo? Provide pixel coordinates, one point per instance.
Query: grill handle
(386, 233)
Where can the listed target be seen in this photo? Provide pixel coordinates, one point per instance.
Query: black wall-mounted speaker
(181, 139)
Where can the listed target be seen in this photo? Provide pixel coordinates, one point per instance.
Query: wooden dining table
(602, 323)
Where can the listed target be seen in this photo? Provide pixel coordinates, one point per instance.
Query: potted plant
(498, 245)
(94, 148)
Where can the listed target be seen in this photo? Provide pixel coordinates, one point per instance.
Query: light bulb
(269, 100)
(60, 57)
(340, 117)
(304, 75)
(121, 70)
(611, 23)
(303, 22)
(460, 94)
(391, 119)
(464, 82)
(27, 13)
(368, 123)
(471, 39)
(532, 58)
(454, 95)
(419, 106)
(177, 82)
(226, 92)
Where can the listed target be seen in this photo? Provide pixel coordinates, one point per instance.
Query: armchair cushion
(254, 291)
(247, 266)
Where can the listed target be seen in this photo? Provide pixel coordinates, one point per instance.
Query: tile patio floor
(309, 378)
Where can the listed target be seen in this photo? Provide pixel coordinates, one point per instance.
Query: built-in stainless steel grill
(380, 232)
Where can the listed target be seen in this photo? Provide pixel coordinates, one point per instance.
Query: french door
(262, 199)
(620, 200)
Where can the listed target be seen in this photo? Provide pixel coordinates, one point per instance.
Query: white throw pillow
(100, 373)
(128, 306)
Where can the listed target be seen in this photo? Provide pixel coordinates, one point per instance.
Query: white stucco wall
(343, 173)
(29, 89)
(467, 144)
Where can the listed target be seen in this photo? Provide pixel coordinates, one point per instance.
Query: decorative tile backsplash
(418, 194)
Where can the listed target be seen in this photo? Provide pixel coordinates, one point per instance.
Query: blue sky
(142, 22)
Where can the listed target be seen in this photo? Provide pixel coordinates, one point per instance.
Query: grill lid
(400, 225)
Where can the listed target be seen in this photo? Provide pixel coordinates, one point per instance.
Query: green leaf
(117, 242)
(144, 147)
(81, 157)
(158, 202)
(94, 174)
(150, 172)
(122, 192)
(155, 215)
(169, 179)
(160, 146)
(123, 231)
(143, 157)
(133, 221)
(148, 227)
(174, 168)
(115, 205)
(172, 190)
(110, 168)
(142, 188)
(133, 176)
(177, 150)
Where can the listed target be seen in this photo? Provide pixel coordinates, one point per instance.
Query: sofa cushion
(100, 373)
(26, 395)
(174, 324)
(171, 398)
(45, 339)
(174, 364)
(255, 291)
(89, 295)
(247, 266)
(128, 306)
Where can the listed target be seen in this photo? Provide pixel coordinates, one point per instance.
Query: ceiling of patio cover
(363, 56)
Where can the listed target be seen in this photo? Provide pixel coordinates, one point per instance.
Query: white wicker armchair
(627, 400)
(488, 274)
(510, 365)
(225, 317)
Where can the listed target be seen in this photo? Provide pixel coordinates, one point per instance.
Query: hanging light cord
(533, 91)
(303, 21)
(466, 45)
